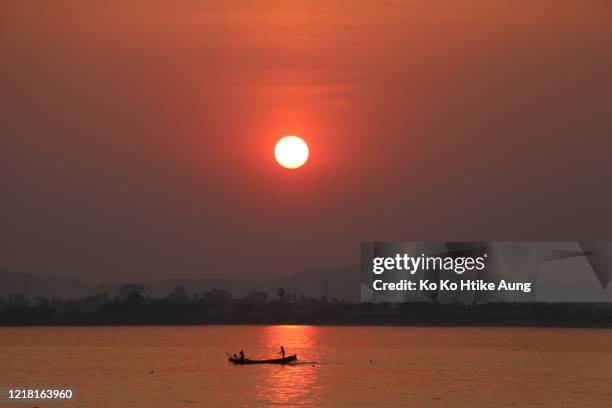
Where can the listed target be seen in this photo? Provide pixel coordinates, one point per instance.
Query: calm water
(340, 366)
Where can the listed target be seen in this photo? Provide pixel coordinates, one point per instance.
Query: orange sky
(138, 136)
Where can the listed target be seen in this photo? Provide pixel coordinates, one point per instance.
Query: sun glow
(291, 152)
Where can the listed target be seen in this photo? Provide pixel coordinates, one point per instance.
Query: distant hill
(341, 283)
(17, 282)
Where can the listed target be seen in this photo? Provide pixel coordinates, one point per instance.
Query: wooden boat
(285, 360)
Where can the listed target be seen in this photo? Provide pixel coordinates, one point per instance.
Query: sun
(291, 152)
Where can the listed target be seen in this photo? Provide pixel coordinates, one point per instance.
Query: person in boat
(282, 351)
(241, 355)
(235, 356)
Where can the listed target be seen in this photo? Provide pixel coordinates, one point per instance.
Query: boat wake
(300, 362)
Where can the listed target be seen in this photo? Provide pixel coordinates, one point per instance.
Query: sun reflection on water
(294, 384)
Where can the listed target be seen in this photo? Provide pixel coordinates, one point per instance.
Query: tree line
(131, 305)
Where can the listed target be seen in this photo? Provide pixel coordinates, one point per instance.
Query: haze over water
(339, 366)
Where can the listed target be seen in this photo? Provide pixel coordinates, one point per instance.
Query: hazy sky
(136, 137)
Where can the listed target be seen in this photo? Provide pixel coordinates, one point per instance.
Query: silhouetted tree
(127, 291)
(281, 294)
(179, 295)
(42, 300)
(256, 298)
(17, 300)
(132, 294)
(216, 296)
(91, 304)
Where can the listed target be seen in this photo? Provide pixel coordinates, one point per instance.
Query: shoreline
(526, 325)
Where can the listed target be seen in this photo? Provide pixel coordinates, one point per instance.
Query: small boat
(284, 360)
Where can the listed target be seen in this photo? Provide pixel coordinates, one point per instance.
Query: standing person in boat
(241, 355)
(282, 351)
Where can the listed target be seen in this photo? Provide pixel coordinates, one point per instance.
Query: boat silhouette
(284, 360)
